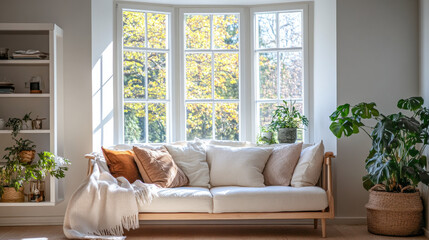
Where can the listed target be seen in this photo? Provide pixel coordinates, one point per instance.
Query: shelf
(26, 204)
(25, 62)
(27, 131)
(25, 95)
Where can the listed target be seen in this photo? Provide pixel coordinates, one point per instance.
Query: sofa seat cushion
(180, 199)
(268, 199)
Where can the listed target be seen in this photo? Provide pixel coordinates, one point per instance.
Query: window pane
(133, 29)
(134, 74)
(226, 75)
(267, 30)
(157, 113)
(225, 31)
(226, 115)
(290, 29)
(266, 113)
(134, 122)
(199, 121)
(291, 82)
(157, 30)
(268, 75)
(199, 76)
(197, 31)
(156, 75)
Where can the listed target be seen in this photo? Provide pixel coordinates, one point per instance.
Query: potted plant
(24, 148)
(266, 136)
(286, 120)
(14, 174)
(26, 121)
(395, 163)
(15, 124)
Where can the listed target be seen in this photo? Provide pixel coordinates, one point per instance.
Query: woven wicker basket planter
(11, 195)
(27, 156)
(394, 214)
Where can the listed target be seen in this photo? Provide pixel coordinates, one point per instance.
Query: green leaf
(366, 182)
(412, 103)
(365, 110)
(342, 110)
(337, 129)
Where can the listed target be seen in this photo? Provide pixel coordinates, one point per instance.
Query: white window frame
(307, 65)
(119, 113)
(183, 51)
(248, 78)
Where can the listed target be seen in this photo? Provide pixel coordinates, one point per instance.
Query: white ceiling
(217, 2)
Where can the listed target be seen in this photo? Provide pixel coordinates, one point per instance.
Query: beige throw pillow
(158, 167)
(309, 167)
(280, 165)
(237, 166)
(191, 158)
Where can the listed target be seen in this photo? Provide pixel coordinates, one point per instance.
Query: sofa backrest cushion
(121, 164)
(281, 164)
(230, 143)
(309, 167)
(237, 166)
(191, 158)
(157, 166)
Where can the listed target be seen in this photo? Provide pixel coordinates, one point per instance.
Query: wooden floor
(208, 232)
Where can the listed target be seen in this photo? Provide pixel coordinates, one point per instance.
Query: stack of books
(29, 54)
(6, 87)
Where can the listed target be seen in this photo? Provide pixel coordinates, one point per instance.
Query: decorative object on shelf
(6, 87)
(37, 123)
(35, 84)
(395, 164)
(26, 122)
(29, 54)
(4, 53)
(286, 120)
(37, 191)
(267, 136)
(2, 123)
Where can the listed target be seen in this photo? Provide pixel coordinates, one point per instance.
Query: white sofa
(235, 202)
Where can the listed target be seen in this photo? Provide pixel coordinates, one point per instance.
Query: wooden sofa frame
(328, 213)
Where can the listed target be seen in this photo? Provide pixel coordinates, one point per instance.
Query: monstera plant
(396, 159)
(395, 164)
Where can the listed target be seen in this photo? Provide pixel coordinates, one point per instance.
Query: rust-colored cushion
(122, 164)
(157, 166)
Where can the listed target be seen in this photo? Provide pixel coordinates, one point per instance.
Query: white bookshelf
(45, 37)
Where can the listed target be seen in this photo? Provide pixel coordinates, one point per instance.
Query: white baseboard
(28, 221)
(58, 220)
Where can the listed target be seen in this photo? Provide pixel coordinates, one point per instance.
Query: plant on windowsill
(395, 163)
(266, 136)
(286, 120)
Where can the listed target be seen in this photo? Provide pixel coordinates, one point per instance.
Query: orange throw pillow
(158, 167)
(122, 164)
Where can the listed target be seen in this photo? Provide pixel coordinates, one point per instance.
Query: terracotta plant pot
(394, 214)
(287, 135)
(27, 156)
(11, 195)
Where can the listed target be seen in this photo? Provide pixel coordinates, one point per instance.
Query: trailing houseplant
(286, 120)
(15, 124)
(396, 161)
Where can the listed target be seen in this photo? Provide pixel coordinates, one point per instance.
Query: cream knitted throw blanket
(103, 206)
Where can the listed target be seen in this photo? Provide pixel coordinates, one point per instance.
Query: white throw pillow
(191, 158)
(309, 167)
(237, 166)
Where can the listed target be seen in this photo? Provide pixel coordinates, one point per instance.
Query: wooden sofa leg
(323, 227)
(315, 223)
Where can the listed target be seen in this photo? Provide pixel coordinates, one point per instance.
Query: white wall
(378, 60)
(74, 17)
(424, 83)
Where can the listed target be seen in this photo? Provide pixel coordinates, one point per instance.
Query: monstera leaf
(412, 103)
